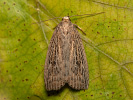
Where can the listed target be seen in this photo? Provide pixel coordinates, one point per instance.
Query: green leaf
(24, 43)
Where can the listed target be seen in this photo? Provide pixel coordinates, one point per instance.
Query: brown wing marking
(53, 73)
(78, 74)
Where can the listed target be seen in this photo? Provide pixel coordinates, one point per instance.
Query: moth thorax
(66, 18)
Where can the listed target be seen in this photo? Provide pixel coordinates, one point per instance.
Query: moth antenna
(88, 14)
(48, 20)
(71, 16)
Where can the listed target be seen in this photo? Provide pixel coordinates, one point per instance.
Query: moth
(66, 61)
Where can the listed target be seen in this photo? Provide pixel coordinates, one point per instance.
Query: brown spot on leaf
(25, 61)
(98, 32)
(113, 92)
(26, 79)
(15, 50)
(19, 40)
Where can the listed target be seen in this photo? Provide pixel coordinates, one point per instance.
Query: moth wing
(78, 71)
(53, 72)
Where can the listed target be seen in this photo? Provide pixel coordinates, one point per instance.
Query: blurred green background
(108, 46)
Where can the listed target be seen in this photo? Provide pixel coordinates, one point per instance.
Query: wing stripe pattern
(66, 60)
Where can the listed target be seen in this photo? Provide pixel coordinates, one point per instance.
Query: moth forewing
(66, 60)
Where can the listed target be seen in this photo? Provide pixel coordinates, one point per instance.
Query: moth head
(66, 19)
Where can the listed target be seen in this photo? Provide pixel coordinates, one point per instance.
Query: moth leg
(54, 28)
(79, 29)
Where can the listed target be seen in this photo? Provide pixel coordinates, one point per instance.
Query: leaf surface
(24, 43)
